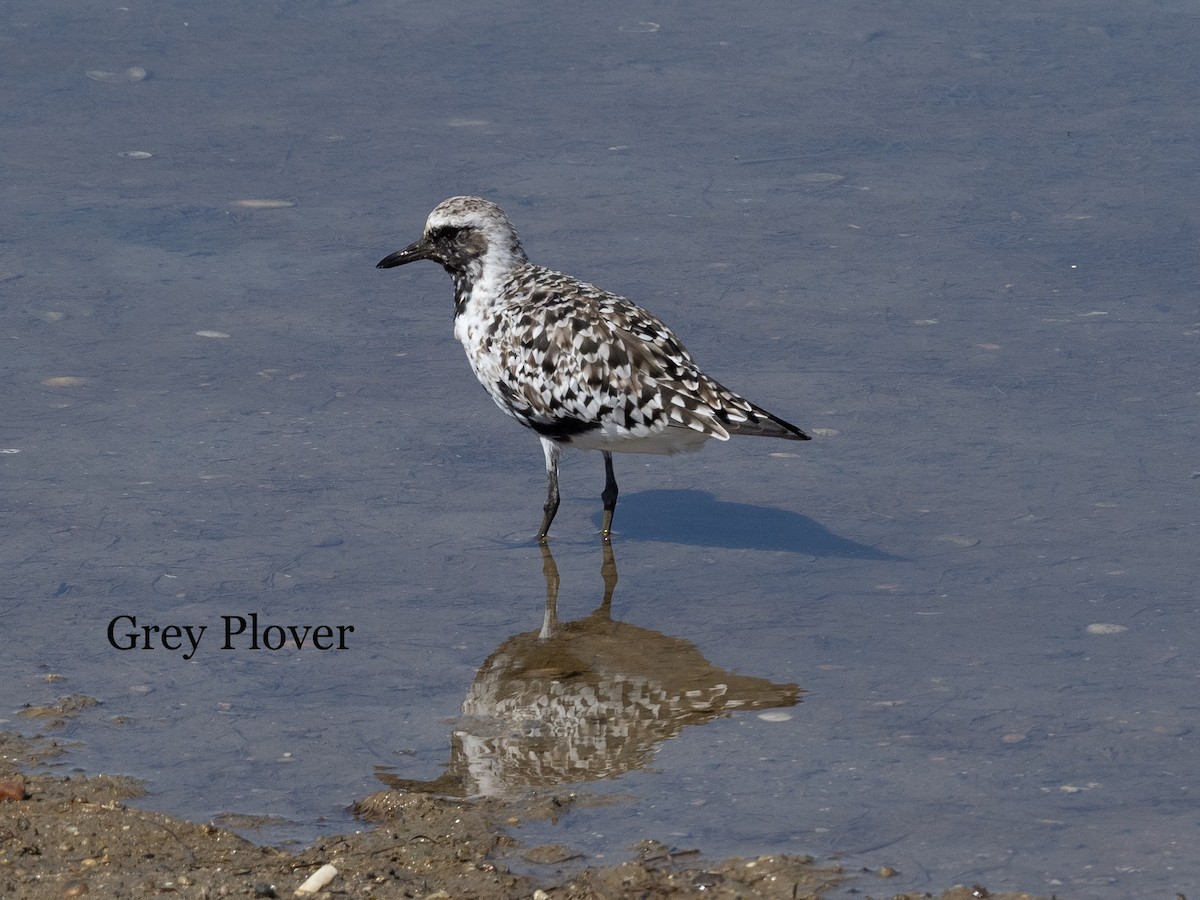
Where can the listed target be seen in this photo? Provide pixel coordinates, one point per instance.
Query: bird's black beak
(418, 250)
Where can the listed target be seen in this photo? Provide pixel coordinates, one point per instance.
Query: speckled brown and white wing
(591, 369)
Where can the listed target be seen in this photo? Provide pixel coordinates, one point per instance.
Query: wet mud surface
(75, 835)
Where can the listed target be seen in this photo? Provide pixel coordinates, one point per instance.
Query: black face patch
(456, 247)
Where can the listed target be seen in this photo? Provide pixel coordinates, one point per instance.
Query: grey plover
(580, 366)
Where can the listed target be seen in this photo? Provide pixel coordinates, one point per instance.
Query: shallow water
(958, 244)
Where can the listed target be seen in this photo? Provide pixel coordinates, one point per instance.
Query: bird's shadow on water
(698, 518)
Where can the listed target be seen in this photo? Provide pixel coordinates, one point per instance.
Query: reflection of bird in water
(584, 700)
(580, 366)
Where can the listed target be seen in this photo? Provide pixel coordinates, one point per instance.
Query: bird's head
(467, 236)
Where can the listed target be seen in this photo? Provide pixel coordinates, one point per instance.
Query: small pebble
(958, 540)
(12, 789)
(704, 881)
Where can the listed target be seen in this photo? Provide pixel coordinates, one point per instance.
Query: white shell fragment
(318, 879)
(775, 716)
(820, 177)
(64, 381)
(1106, 628)
(132, 75)
(264, 204)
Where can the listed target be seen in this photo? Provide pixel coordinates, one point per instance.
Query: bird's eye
(447, 233)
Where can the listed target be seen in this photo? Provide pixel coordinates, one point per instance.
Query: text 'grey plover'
(580, 366)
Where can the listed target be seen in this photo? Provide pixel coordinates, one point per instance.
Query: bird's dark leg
(552, 451)
(609, 496)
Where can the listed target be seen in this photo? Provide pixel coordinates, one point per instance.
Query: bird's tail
(761, 423)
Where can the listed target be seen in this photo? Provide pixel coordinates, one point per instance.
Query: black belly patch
(562, 429)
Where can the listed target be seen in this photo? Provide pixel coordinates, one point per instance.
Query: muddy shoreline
(71, 835)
